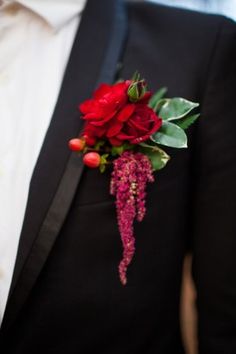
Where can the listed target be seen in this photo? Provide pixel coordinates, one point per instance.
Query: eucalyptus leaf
(153, 102)
(185, 122)
(176, 108)
(158, 157)
(159, 105)
(171, 135)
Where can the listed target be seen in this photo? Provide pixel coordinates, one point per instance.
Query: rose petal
(155, 128)
(104, 120)
(145, 99)
(114, 129)
(87, 106)
(102, 90)
(124, 136)
(92, 116)
(115, 142)
(138, 126)
(126, 112)
(90, 141)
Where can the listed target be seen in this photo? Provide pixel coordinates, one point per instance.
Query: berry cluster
(91, 159)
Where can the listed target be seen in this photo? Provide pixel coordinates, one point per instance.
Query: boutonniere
(125, 125)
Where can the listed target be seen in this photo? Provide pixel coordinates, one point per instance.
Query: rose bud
(92, 159)
(76, 144)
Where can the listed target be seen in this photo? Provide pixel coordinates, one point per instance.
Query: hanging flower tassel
(130, 175)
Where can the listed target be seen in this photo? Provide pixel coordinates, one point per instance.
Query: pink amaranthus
(129, 178)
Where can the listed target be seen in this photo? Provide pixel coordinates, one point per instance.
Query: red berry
(92, 159)
(76, 144)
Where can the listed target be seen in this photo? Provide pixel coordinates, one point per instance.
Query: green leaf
(99, 144)
(118, 150)
(176, 108)
(185, 123)
(136, 76)
(159, 105)
(158, 157)
(170, 135)
(102, 168)
(137, 90)
(133, 93)
(104, 159)
(158, 160)
(103, 162)
(157, 97)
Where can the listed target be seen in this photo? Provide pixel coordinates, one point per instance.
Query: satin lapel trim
(45, 216)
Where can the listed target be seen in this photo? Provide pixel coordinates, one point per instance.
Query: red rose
(106, 102)
(137, 127)
(109, 114)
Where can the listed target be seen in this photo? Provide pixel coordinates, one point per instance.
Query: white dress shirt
(36, 37)
(223, 7)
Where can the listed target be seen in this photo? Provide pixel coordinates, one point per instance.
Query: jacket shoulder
(155, 18)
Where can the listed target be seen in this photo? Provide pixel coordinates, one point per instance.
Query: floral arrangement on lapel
(124, 127)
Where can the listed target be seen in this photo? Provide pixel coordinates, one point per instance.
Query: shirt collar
(55, 12)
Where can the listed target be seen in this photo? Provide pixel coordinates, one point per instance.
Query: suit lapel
(95, 54)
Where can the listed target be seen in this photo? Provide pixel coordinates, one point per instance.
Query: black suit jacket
(66, 296)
